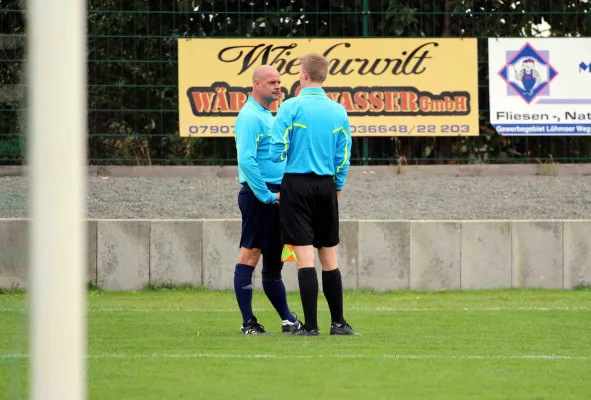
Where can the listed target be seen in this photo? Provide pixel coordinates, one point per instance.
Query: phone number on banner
(409, 129)
(355, 129)
(211, 129)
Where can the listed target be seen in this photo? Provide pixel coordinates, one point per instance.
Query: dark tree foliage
(132, 71)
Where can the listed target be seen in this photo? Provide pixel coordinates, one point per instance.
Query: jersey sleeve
(247, 133)
(343, 152)
(281, 133)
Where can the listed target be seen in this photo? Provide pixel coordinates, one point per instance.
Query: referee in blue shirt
(311, 134)
(260, 179)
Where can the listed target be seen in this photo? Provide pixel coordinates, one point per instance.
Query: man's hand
(338, 194)
(276, 201)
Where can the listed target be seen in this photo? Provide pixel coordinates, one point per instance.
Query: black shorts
(260, 222)
(309, 210)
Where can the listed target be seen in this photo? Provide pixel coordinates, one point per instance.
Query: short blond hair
(316, 65)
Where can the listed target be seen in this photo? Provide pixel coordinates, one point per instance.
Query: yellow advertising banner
(389, 86)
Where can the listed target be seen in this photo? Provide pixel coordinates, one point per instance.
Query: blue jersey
(312, 133)
(252, 136)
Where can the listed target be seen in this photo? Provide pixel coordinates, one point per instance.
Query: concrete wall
(378, 255)
(230, 171)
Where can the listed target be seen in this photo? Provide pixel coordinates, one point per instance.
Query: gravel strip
(365, 197)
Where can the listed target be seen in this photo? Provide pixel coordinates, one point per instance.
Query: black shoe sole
(255, 334)
(305, 333)
(288, 330)
(345, 333)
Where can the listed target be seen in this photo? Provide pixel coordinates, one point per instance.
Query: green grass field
(185, 344)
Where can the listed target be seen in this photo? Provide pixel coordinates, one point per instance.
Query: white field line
(364, 309)
(317, 356)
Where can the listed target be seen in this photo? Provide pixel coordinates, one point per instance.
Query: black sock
(332, 286)
(243, 288)
(275, 291)
(308, 281)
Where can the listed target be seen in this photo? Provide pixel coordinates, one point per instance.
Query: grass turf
(185, 344)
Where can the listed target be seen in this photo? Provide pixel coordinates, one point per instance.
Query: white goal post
(56, 133)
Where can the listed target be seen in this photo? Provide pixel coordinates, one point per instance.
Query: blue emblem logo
(528, 73)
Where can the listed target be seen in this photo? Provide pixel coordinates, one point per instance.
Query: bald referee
(311, 134)
(260, 179)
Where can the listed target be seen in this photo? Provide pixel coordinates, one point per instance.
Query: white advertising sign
(540, 86)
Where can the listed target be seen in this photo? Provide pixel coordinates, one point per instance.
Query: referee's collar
(312, 90)
(259, 107)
